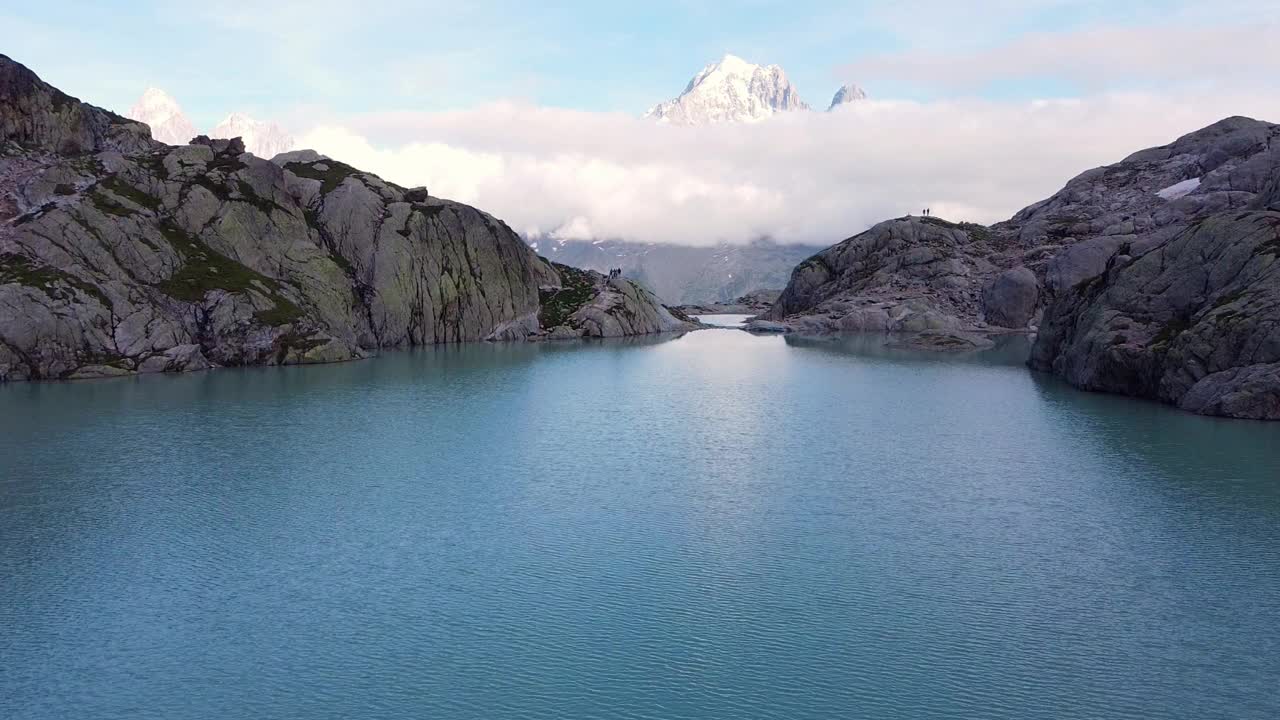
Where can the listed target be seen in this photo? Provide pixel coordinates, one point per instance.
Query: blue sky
(533, 112)
(290, 58)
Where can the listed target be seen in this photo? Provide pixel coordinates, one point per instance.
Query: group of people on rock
(615, 272)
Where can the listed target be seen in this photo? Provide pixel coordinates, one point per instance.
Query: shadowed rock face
(905, 275)
(1194, 321)
(1185, 307)
(119, 254)
(1153, 276)
(1010, 299)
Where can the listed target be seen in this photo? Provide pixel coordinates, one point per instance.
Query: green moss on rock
(16, 269)
(578, 289)
(109, 205)
(330, 173)
(203, 270)
(132, 194)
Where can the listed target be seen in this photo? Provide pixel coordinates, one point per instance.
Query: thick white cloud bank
(799, 177)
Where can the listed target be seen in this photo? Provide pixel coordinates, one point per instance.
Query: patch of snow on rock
(1182, 189)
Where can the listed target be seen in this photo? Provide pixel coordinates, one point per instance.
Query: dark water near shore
(714, 526)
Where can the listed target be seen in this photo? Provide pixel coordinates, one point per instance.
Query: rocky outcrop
(1010, 298)
(1154, 276)
(1185, 306)
(1193, 321)
(902, 276)
(587, 304)
(119, 254)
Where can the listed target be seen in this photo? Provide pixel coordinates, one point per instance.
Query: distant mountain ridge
(735, 90)
(681, 274)
(164, 116)
(170, 125)
(847, 95)
(264, 139)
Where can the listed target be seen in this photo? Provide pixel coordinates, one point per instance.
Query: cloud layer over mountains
(797, 177)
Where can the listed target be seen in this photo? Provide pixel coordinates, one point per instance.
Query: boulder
(1010, 299)
(1079, 262)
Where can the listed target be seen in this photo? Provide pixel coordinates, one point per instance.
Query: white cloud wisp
(801, 177)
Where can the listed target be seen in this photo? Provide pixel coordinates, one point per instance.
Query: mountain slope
(120, 254)
(730, 90)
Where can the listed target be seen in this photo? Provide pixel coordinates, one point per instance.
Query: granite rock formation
(1152, 277)
(120, 254)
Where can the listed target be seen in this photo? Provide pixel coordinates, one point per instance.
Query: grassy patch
(16, 269)
(578, 289)
(283, 313)
(251, 196)
(329, 178)
(110, 206)
(980, 233)
(244, 193)
(204, 269)
(342, 262)
(130, 193)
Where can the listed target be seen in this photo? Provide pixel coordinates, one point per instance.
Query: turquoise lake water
(712, 526)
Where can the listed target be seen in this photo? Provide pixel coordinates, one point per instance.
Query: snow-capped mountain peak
(730, 90)
(170, 125)
(847, 94)
(264, 139)
(162, 113)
